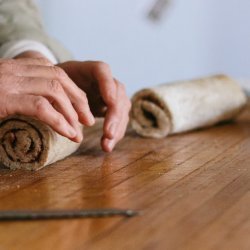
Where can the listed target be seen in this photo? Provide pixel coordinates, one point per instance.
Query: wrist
(30, 54)
(26, 48)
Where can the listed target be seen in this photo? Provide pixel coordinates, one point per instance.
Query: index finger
(107, 85)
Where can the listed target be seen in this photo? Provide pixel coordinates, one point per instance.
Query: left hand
(106, 95)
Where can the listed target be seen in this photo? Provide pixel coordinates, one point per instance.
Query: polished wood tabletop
(192, 191)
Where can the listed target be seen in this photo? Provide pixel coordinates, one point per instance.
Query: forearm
(20, 20)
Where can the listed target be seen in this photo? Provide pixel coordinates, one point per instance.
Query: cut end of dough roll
(149, 115)
(23, 144)
(30, 144)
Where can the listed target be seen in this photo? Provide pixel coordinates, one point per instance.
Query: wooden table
(193, 191)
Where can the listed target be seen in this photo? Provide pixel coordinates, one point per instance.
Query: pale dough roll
(186, 105)
(30, 144)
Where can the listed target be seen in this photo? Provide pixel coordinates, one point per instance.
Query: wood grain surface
(193, 191)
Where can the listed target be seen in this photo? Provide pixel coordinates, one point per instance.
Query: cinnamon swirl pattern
(30, 144)
(186, 105)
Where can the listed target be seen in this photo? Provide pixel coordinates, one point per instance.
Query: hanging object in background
(173, 108)
(158, 9)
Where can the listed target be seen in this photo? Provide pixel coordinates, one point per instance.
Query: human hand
(106, 95)
(35, 87)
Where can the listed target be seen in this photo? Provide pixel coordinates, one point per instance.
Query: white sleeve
(14, 48)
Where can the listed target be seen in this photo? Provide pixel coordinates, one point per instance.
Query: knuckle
(83, 97)
(58, 120)
(44, 61)
(8, 61)
(54, 86)
(58, 72)
(16, 83)
(99, 65)
(7, 66)
(40, 104)
(5, 86)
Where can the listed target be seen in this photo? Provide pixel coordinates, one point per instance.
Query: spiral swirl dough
(22, 143)
(149, 115)
(186, 105)
(30, 144)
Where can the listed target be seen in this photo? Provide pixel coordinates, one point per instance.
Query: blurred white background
(195, 37)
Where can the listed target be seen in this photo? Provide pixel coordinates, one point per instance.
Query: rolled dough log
(182, 106)
(30, 144)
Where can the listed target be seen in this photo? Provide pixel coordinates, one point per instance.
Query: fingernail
(111, 144)
(112, 128)
(79, 131)
(89, 118)
(92, 120)
(79, 140)
(80, 135)
(71, 132)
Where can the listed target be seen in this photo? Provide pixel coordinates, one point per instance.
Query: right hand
(35, 87)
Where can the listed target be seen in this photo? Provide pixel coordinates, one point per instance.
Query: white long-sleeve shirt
(14, 48)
